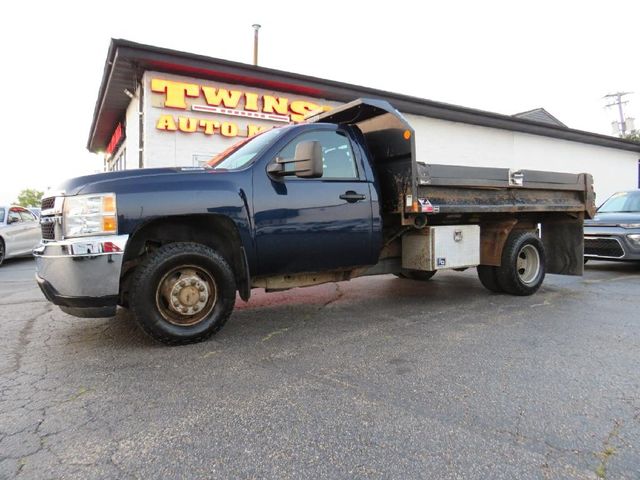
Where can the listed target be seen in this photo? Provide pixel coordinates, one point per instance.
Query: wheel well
(215, 231)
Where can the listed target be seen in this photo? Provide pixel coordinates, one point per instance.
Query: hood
(613, 219)
(107, 182)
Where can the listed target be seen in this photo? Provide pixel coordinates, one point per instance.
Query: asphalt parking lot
(374, 378)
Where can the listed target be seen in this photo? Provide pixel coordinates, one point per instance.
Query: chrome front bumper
(81, 273)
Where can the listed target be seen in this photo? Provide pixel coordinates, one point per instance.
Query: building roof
(540, 115)
(127, 61)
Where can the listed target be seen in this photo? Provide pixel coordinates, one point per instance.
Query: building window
(118, 162)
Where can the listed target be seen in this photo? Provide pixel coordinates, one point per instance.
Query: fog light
(634, 238)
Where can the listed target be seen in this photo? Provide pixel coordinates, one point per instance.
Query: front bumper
(610, 243)
(81, 275)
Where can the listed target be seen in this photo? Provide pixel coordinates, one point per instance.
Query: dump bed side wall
(459, 189)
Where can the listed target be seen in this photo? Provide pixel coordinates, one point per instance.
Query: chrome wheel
(186, 295)
(528, 264)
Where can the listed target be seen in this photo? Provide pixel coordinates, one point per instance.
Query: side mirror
(11, 220)
(307, 162)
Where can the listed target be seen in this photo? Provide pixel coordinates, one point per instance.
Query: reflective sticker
(441, 261)
(409, 201)
(426, 207)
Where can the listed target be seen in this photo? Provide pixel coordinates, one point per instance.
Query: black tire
(173, 274)
(420, 275)
(1, 251)
(523, 264)
(487, 275)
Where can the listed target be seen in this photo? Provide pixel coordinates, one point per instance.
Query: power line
(617, 101)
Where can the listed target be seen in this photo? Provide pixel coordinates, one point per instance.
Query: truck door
(311, 225)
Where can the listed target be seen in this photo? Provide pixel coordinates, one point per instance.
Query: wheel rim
(186, 295)
(528, 264)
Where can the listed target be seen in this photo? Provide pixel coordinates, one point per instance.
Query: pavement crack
(608, 449)
(274, 333)
(339, 295)
(24, 338)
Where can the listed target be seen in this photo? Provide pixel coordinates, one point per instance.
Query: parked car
(614, 233)
(19, 232)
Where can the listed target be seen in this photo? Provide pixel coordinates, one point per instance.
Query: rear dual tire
(522, 268)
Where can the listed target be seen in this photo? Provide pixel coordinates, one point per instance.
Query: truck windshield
(622, 202)
(240, 154)
(1, 215)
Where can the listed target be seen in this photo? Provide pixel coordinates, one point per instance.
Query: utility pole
(617, 101)
(256, 27)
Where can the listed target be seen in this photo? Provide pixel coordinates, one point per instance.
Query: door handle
(351, 196)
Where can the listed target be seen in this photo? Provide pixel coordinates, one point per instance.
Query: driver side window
(337, 156)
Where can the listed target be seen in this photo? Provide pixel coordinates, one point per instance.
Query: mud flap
(563, 240)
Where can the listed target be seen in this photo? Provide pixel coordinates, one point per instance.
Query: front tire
(182, 293)
(1, 251)
(523, 264)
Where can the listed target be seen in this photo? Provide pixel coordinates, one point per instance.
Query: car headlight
(630, 225)
(634, 238)
(90, 215)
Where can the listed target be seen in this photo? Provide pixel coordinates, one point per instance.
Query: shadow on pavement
(315, 309)
(621, 267)
(18, 261)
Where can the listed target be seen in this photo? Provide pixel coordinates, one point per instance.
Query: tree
(633, 136)
(29, 197)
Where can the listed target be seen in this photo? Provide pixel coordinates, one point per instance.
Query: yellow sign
(223, 101)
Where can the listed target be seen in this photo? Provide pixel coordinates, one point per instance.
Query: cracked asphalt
(374, 378)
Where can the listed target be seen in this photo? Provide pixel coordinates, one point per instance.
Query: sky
(500, 56)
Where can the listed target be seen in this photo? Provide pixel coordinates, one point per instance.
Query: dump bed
(410, 187)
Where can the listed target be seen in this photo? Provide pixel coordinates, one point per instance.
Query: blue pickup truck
(339, 196)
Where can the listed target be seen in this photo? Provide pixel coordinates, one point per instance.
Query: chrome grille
(47, 203)
(48, 231)
(603, 247)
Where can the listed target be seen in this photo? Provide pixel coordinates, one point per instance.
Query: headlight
(635, 238)
(90, 215)
(630, 225)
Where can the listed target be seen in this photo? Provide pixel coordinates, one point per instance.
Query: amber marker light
(406, 134)
(109, 204)
(109, 224)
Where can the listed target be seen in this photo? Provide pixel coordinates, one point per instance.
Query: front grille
(48, 203)
(603, 247)
(48, 231)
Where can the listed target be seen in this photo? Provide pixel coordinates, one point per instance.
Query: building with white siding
(159, 107)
